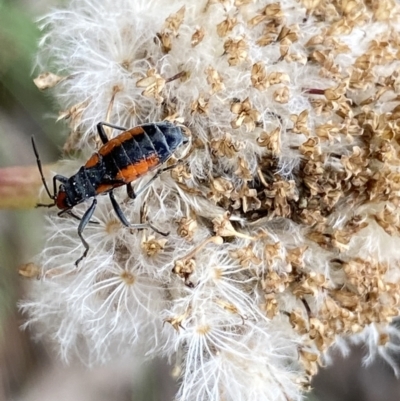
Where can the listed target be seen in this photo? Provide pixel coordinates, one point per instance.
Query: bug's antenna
(39, 164)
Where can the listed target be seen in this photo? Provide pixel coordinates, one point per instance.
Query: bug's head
(61, 199)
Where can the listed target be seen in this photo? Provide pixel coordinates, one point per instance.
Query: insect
(120, 160)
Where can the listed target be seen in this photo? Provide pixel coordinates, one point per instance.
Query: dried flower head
(283, 232)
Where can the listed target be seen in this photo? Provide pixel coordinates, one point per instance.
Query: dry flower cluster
(284, 227)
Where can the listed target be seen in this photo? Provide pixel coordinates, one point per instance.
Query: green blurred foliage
(31, 111)
(24, 111)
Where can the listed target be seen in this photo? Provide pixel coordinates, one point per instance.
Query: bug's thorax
(77, 189)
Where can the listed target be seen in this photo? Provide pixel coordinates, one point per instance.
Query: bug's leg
(118, 127)
(118, 210)
(102, 133)
(132, 194)
(59, 178)
(124, 220)
(85, 219)
(72, 214)
(131, 191)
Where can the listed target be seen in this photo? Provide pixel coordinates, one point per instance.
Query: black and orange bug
(118, 162)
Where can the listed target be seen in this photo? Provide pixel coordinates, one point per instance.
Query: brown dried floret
(389, 219)
(340, 27)
(201, 105)
(321, 107)
(356, 163)
(310, 148)
(187, 227)
(337, 93)
(220, 187)
(278, 195)
(324, 42)
(273, 252)
(320, 238)
(74, 113)
(295, 256)
(270, 306)
(276, 77)
(246, 198)
(270, 12)
(300, 123)
(240, 3)
(327, 131)
(281, 95)
(171, 28)
(340, 240)
(299, 322)
(198, 36)
(271, 141)
(226, 26)
(246, 256)
(184, 268)
(360, 79)
(228, 306)
(287, 36)
(224, 228)
(256, 20)
(29, 270)
(311, 5)
(311, 284)
(181, 173)
(226, 146)
(245, 115)
(236, 51)
(166, 40)
(176, 321)
(311, 217)
(215, 80)
(269, 35)
(384, 10)
(259, 76)
(243, 170)
(47, 80)
(174, 21)
(154, 83)
(152, 246)
(274, 11)
(310, 361)
(320, 334)
(274, 283)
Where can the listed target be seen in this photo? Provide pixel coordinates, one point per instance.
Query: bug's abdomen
(134, 152)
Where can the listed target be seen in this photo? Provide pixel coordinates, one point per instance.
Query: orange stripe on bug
(105, 188)
(93, 161)
(119, 140)
(134, 170)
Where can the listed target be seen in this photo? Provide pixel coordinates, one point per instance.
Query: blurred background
(28, 370)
